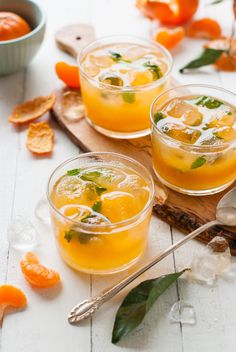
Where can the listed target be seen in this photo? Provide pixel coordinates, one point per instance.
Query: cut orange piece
(37, 274)
(11, 296)
(205, 28)
(32, 110)
(172, 12)
(169, 38)
(68, 74)
(40, 138)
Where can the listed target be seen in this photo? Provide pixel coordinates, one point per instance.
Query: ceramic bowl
(17, 53)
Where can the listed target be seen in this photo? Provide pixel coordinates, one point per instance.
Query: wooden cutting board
(181, 211)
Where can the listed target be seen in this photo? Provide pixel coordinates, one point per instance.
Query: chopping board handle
(73, 38)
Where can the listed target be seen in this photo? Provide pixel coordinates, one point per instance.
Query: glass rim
(128, 88)
(203, 148)
(91, 227)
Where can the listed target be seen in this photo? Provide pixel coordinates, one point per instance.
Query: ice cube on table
(182, 312)
(41, 211)
(22, 235)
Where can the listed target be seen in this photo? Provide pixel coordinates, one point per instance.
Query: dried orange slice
(227, 60)
(204, 28)
(40, 138)
(32, 109)
(11, 296)
(37, 274)
(169, 38)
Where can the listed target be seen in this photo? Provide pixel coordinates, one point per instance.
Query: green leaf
(128, 97)
(82, 237)
(97, 206)
(158, 116)
(201, 160)
(138, 302)
(208, 57)
(155, 69)
(115, 56)
(100, 190)
(209, 103)
(73, 172)
(90, 175)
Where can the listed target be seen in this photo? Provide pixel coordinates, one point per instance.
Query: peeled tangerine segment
(11, 296)
(227, 134)
(183, 134)
(139, 78)
(134, 53)
(178, 108)
(37, 274)
(103, 61)
(40, 138)
(118, 206)
(32, 110)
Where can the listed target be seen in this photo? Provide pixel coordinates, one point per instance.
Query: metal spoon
(225, 215)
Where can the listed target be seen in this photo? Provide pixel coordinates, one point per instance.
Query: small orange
(12, 26)
(205, 28)
(169, 38)
(11, 296)
(37, 274)
(227, 60)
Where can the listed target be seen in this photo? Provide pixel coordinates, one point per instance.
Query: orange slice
(40, 138)
(37, 274)
(11, 296)
(68, 74)
(169, 38)
(32, 109)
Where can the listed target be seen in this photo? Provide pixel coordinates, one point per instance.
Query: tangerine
(11, 296)
(12, 26)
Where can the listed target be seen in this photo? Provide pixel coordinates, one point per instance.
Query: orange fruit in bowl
(37, 274)
(12, 26)
(11, 296)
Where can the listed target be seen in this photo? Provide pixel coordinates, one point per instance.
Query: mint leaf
(209, 103)
(97, 206)
(138, 302)
(208, 57)
(201, 160)
(73, 172)
(201, 101)
(82, 237)
(90, 175)
(115, 56)
(158, 116)
(100, 190)
(128, 97)
(155, 69)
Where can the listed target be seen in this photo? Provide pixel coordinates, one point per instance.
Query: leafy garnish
(115, 56)
(73, 172)
(138, 302)
(201, 160)
(155, 69)
(165, 129)
(208, 57)
(128, 97)
(100, 190)
(229, 113)
(87, 217)
(90, 175)
(82, 237)
(97, 206)
(158, 116)
(209, 103)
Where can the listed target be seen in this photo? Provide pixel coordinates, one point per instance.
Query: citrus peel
(40, 138)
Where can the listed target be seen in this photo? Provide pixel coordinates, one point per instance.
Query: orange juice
(119, 80)
(194, 143)
(104, 213)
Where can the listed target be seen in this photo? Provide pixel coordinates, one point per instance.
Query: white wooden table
(43, 326)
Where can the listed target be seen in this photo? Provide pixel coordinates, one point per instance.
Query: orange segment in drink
(37, 274)
(11, 296)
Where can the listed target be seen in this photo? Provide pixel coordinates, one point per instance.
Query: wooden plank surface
(43, 326)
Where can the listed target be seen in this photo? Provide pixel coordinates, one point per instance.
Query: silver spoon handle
(88, 307)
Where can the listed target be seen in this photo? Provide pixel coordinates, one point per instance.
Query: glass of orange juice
(120, 76)
(194, 138)
(100, 205)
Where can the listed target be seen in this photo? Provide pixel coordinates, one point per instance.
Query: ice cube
(227, 134)
(139, 78)
(181, 133)
(178, 108)
(22, 235)
(41, 211)
(135, 185)
(182, 312)
(101, 60)
(91, 69)
(134, 53)
(221, 121)
(193, 118)
(72, 106)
